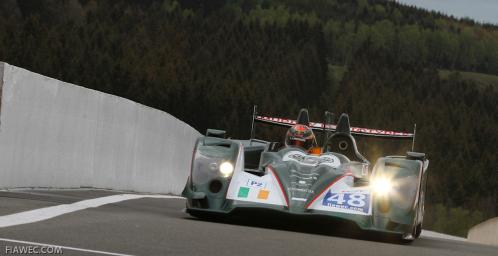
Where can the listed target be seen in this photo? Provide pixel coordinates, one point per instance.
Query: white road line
(432, 234)
(54, 211)
(63, 247)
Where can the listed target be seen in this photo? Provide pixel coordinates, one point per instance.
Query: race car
(304, 179)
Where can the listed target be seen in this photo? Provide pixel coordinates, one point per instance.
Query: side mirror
(216, 133)
(415, 156)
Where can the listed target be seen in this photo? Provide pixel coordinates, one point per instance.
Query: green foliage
(456, 221)
(419, 34)
(336, 73)
(208, 62)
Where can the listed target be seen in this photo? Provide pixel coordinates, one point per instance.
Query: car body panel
(295, 182)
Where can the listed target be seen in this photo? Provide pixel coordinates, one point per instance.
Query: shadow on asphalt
(313, 225)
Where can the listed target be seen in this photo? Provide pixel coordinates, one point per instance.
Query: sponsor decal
(255, 183)
(357, 130)
(304, 159)
(298, 199)
(294, 155)
(305, 190)
(263, 194)
(300, 183)
(243, 192)
(303, 176)
(264, 189)
(353, 201)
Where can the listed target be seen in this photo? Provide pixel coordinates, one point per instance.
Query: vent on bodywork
(252, 155)
(391, 164)
(215, 186)
(200, 203)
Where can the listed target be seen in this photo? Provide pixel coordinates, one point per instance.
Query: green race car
(300, 178)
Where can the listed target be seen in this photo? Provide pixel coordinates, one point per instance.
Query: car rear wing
(359, 131)
(330, 127)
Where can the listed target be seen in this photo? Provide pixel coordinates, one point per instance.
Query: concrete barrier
(485, 232)
(56, 134)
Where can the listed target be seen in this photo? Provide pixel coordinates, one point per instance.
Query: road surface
(159, 226)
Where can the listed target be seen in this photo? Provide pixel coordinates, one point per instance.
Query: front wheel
(418, 230)
(408, 237)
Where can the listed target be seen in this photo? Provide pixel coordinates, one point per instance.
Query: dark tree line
(208, 62)
(413, 32)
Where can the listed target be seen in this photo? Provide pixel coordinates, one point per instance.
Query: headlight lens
(382, 186)
(226, 169)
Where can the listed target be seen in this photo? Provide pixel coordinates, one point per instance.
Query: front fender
(207, 186)
(398, 208)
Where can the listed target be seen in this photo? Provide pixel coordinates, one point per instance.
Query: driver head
(300, 136)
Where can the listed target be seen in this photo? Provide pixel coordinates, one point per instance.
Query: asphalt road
(158, 226)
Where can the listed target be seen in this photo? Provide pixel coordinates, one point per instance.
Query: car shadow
(318, 225)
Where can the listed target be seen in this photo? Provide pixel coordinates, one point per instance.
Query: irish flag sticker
(263, 194)
(243, 192)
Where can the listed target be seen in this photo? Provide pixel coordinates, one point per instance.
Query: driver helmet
(300, 136)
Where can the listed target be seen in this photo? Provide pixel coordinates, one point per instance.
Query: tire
(203, 215)
(198, 215)
(418, 230)
(407, 238)
(420, 208)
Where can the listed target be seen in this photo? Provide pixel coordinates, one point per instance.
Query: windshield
(338, 162)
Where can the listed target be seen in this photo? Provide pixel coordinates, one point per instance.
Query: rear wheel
(203, 215)
(198, 215)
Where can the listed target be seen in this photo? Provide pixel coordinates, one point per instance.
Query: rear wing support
(254, 113)
(329, 118)
(413, 139)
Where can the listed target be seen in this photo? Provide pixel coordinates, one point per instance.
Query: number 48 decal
(357, 200)
(351, 201)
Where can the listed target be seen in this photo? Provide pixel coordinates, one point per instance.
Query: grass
(480, 79)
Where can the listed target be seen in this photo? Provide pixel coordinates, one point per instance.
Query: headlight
(382, 186)
(226, 169)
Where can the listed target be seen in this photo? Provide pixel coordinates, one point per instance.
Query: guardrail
(60, 135)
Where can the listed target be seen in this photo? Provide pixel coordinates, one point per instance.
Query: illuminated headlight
(226, 169)
(382, 186)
